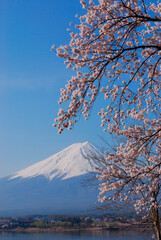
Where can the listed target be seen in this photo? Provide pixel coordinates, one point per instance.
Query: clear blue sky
(30, 79)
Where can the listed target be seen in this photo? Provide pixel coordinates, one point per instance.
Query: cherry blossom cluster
(115, 51)
(132, 173)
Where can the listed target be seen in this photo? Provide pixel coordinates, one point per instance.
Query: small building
(25, 223)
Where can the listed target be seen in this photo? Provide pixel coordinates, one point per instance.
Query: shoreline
(61, 229)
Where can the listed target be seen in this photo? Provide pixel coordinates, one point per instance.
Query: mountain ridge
(46, 192)
(69, 162)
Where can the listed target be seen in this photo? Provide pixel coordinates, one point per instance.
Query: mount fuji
(52, 186)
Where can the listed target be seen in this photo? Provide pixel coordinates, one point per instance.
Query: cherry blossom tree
(115, 50)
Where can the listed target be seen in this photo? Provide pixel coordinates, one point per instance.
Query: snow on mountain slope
(68, 163)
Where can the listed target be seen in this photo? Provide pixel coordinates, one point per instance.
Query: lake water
(105, 235)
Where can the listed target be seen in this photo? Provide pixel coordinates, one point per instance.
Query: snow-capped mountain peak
(70, 162)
